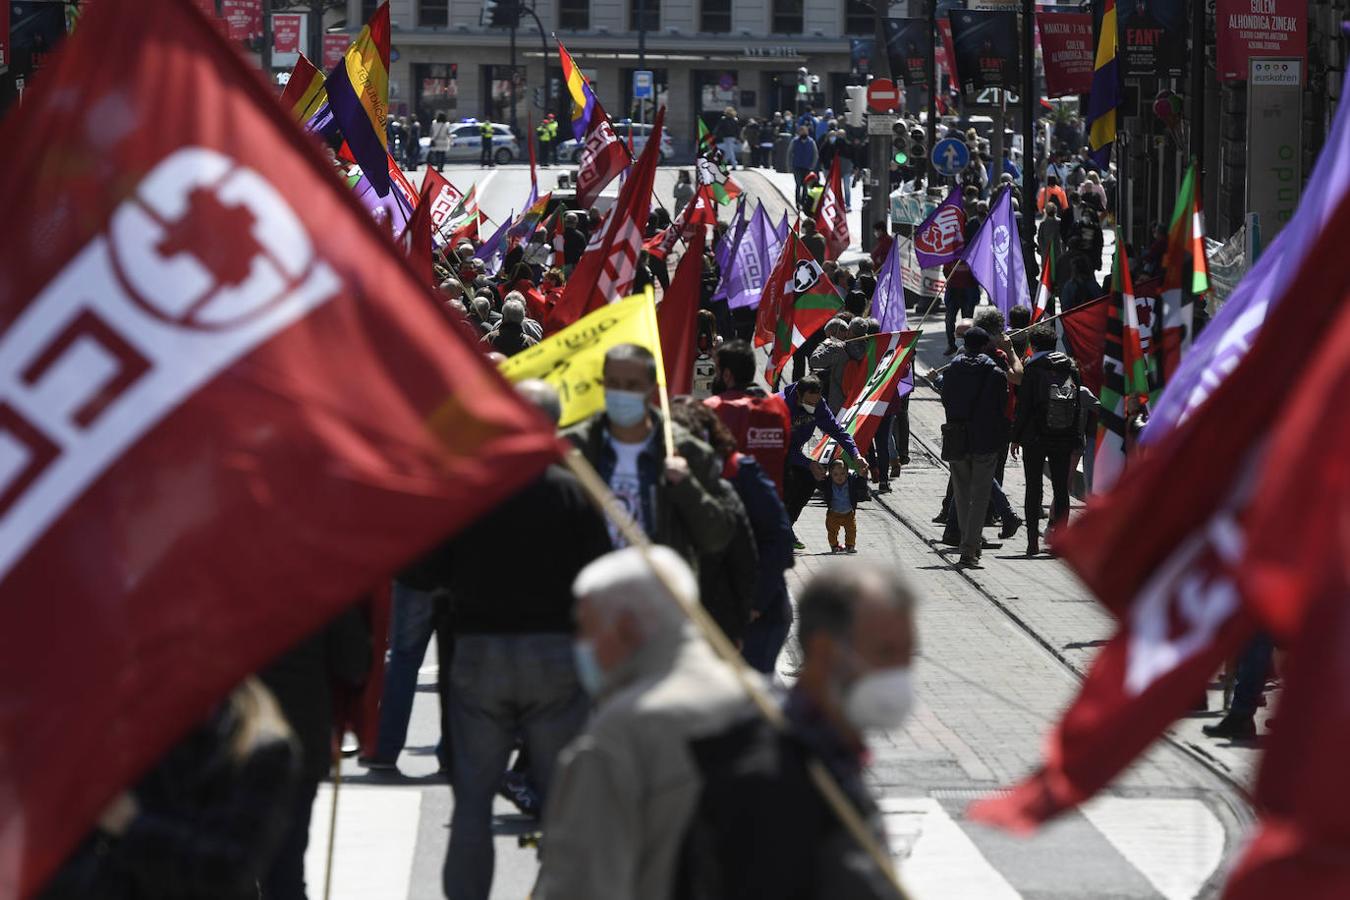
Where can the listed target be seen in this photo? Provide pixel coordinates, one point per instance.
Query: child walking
(843, 493)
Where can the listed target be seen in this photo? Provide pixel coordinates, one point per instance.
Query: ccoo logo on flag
(944, 234)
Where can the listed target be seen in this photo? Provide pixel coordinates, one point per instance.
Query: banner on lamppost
(243, 18)
(286, 33)
(334, 46)
(908, 43)
(986, 49)
(1153, 37)
(1067, 50)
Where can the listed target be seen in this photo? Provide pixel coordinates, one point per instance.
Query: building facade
(706, 55)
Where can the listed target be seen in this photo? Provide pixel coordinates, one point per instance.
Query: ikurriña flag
(358, 93)
(227, 409)
(873, 385)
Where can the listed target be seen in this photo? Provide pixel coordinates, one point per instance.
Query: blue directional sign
(642, 84)
(950, 156)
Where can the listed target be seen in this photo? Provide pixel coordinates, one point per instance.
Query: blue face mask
(625, 408)
(589, 673)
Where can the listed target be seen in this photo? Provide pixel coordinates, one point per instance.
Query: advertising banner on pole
(907, 46)
(986, 49)
(1278, 29)
(1067, 50)
(1153, 37)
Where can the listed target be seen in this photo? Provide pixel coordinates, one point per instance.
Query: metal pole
(879, 202)
(265, 52)
(642, 33)
(1029, 122)
(1197, 142)
(515, 121)
(932, 85)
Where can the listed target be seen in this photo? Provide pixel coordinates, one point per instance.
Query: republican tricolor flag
(358, 93)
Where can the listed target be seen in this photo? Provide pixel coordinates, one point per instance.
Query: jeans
(729, 147)
(1034, 459)
(410, 631)
(881, 449)
(1250, 678)
(502, 685)
(764, 638)
(847, 522)
(963, 300)
(972, 481)
(798, 486)
(799, 176)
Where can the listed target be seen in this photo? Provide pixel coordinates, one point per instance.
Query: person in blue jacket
(807, 411)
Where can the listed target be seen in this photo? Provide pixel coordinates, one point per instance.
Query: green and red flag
(1125, 375)
(1046, 290)
(805, 300)
(1186, 271)
(872, 387)
(711, 170)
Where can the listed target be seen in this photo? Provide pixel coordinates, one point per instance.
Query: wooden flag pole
(833, 795)
(332, 823)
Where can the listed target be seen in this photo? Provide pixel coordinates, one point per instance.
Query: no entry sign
(882, 96)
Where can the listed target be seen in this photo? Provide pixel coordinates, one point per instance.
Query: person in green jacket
(679, 501)
(486, 131)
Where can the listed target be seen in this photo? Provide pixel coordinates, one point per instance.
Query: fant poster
(986, 49)
(1152, 37)
(908, 43)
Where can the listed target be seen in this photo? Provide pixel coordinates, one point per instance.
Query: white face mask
(880, 699)
(809, 407)
(589, 673)
(625, 408)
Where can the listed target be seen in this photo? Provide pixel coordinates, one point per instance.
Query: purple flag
(727, 245)
(749, 265)
(391, 212)
(888, 302)
(995, 258)
(942, 236)
(1222, 345)
(487, 252)
(782, 229)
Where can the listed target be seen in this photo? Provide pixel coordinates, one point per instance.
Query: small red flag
(831, 217)
(441, 196)
(227, 410)
(677, 318)
(603, 157)
(1085, 333)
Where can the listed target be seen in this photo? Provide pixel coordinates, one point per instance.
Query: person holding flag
(808, 411)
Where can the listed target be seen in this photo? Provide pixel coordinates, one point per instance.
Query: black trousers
(485, 156)
(798, 486)
(1034, 460)
(286, 879)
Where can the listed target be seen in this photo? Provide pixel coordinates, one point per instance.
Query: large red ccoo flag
(226, 410)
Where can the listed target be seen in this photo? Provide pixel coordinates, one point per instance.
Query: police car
(570, 150)
(466, 143)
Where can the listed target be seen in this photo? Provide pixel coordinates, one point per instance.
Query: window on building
(368, 8)
(788, 17)
(652, 9)
(716, 16)
(858, 17)
(574, 15)
(433, 13)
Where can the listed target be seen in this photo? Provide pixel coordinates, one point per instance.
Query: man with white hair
(510, 336)
(626, 788)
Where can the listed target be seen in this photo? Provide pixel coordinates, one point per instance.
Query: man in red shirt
(758, 420)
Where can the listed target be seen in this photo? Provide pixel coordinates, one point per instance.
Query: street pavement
(1001, 651)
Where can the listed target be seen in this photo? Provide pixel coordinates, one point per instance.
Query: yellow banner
(573, 359)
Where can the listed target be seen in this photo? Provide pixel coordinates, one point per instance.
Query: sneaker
(896, 465)
(378, 765)
(1234, 726)
(940, 519)
(834, 549)
(969, 562)
(884, 487)
(1010, 527)
(851, 550)
(516, 788)
(798, 545)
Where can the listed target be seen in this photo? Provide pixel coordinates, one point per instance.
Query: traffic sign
(950, 156)
(642, 84)
(882, 96)
(878, 123)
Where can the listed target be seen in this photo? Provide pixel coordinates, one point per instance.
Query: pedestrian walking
(857, 636)
(1047, 428)
(625, 790)
(974, 392)
(413, 157)
(758, 420)
(727, 131)
(843, 492)
(807, 412)
(440, 142)
(684, 191)
(485, 133)
(803, 156)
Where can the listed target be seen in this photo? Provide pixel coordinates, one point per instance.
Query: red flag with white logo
(226, 410)
(603, 157)
(441, 197)
(831, 217)
(605, 271)
(1168, 551)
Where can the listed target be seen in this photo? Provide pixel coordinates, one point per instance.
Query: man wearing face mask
(856, 628)
(625, 788)
(677, 500)
(807, 413)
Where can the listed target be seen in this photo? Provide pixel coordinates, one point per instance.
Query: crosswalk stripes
(1175, 843)
(376, 840)
(937, 860)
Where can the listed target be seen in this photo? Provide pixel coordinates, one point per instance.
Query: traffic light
(917, 148)
(803, 81)
(500, 14)
(899, 144)
(855, 104)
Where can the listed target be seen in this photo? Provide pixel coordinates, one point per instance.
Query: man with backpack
(1047, 428)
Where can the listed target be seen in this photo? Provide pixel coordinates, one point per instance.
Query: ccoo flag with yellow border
(358, 94)
(573, 360)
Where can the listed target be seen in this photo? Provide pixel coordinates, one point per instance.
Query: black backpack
(1062, 406)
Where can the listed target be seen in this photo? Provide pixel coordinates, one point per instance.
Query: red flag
(467, 232)
(808, 300)
(226, 406)
(603, 157)
(676, 318)
(441, 196)
(606, 269)
(776, 289)
(417, 236)
(1085, 333)
(1164, 553)
(831, 218)
(1293, 572)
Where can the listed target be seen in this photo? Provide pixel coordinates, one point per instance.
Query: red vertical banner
(947, 52)
(1279, 28)
(285, 33)
(1066, 48)
(4, 35)
(334, 46)
(243, 18)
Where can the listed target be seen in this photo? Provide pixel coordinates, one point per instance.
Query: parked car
(570, 150)
(466, 143)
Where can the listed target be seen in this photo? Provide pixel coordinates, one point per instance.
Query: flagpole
(824, 782)
(332, 823)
